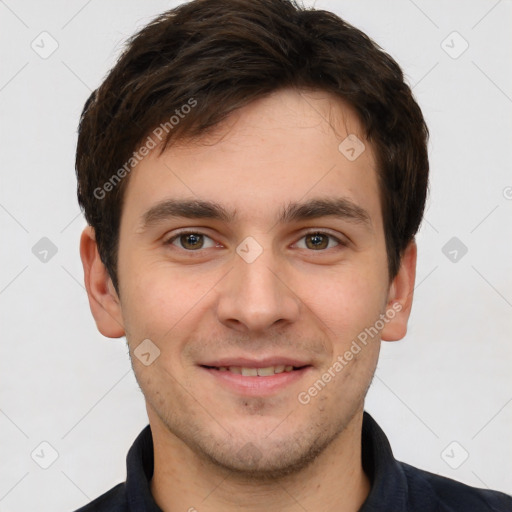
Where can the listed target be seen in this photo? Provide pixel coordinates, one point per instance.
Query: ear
(400, 296)
(103, 299)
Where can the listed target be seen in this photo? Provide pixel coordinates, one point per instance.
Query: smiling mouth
(256, 372)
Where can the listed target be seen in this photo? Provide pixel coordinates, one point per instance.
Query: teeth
(253, 372)
(249, 372)
(262, 372)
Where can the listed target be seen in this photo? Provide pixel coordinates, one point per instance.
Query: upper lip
(246, 362)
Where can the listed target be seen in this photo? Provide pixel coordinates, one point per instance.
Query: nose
(257, 295)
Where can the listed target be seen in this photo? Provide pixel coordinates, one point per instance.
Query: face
(277, 261)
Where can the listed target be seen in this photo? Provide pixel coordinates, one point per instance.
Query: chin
(254, 462)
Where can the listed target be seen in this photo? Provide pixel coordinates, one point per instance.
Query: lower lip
(257, 386)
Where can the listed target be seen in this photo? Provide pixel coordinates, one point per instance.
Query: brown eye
(190, 240)
(318, 241)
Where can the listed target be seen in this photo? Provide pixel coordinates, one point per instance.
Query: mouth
(253, 380)
(247, 371)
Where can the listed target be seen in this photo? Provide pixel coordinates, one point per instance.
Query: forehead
(286, 147)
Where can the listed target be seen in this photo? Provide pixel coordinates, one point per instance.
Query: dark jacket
(395, 486)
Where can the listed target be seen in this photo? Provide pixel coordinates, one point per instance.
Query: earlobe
(103, 299)
(400, 296)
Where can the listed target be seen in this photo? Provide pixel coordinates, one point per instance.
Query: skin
(216, 449)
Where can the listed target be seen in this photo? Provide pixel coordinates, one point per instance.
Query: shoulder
(112, 501)
(451, 495)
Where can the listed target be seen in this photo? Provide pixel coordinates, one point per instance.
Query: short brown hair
(223, 54)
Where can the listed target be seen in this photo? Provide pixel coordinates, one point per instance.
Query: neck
(182, 481)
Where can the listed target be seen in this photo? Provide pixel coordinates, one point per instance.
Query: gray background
(442, 392)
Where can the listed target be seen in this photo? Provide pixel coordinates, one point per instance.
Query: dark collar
(387, 478)
(139, 471)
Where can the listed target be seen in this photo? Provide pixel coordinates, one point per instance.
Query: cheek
(161, 302)
(347, 301)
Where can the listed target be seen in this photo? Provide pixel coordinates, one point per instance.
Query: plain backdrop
(443, 395)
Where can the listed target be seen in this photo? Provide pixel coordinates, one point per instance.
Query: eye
(318, 240)
(191, 240)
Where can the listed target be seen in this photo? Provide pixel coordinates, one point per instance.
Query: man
(253, 175)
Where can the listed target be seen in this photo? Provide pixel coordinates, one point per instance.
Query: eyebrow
(339, 207)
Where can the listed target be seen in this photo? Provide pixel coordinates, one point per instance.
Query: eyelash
(341, 243)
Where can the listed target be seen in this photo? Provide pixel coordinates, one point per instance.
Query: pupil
(317, 239)
(194, 240)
